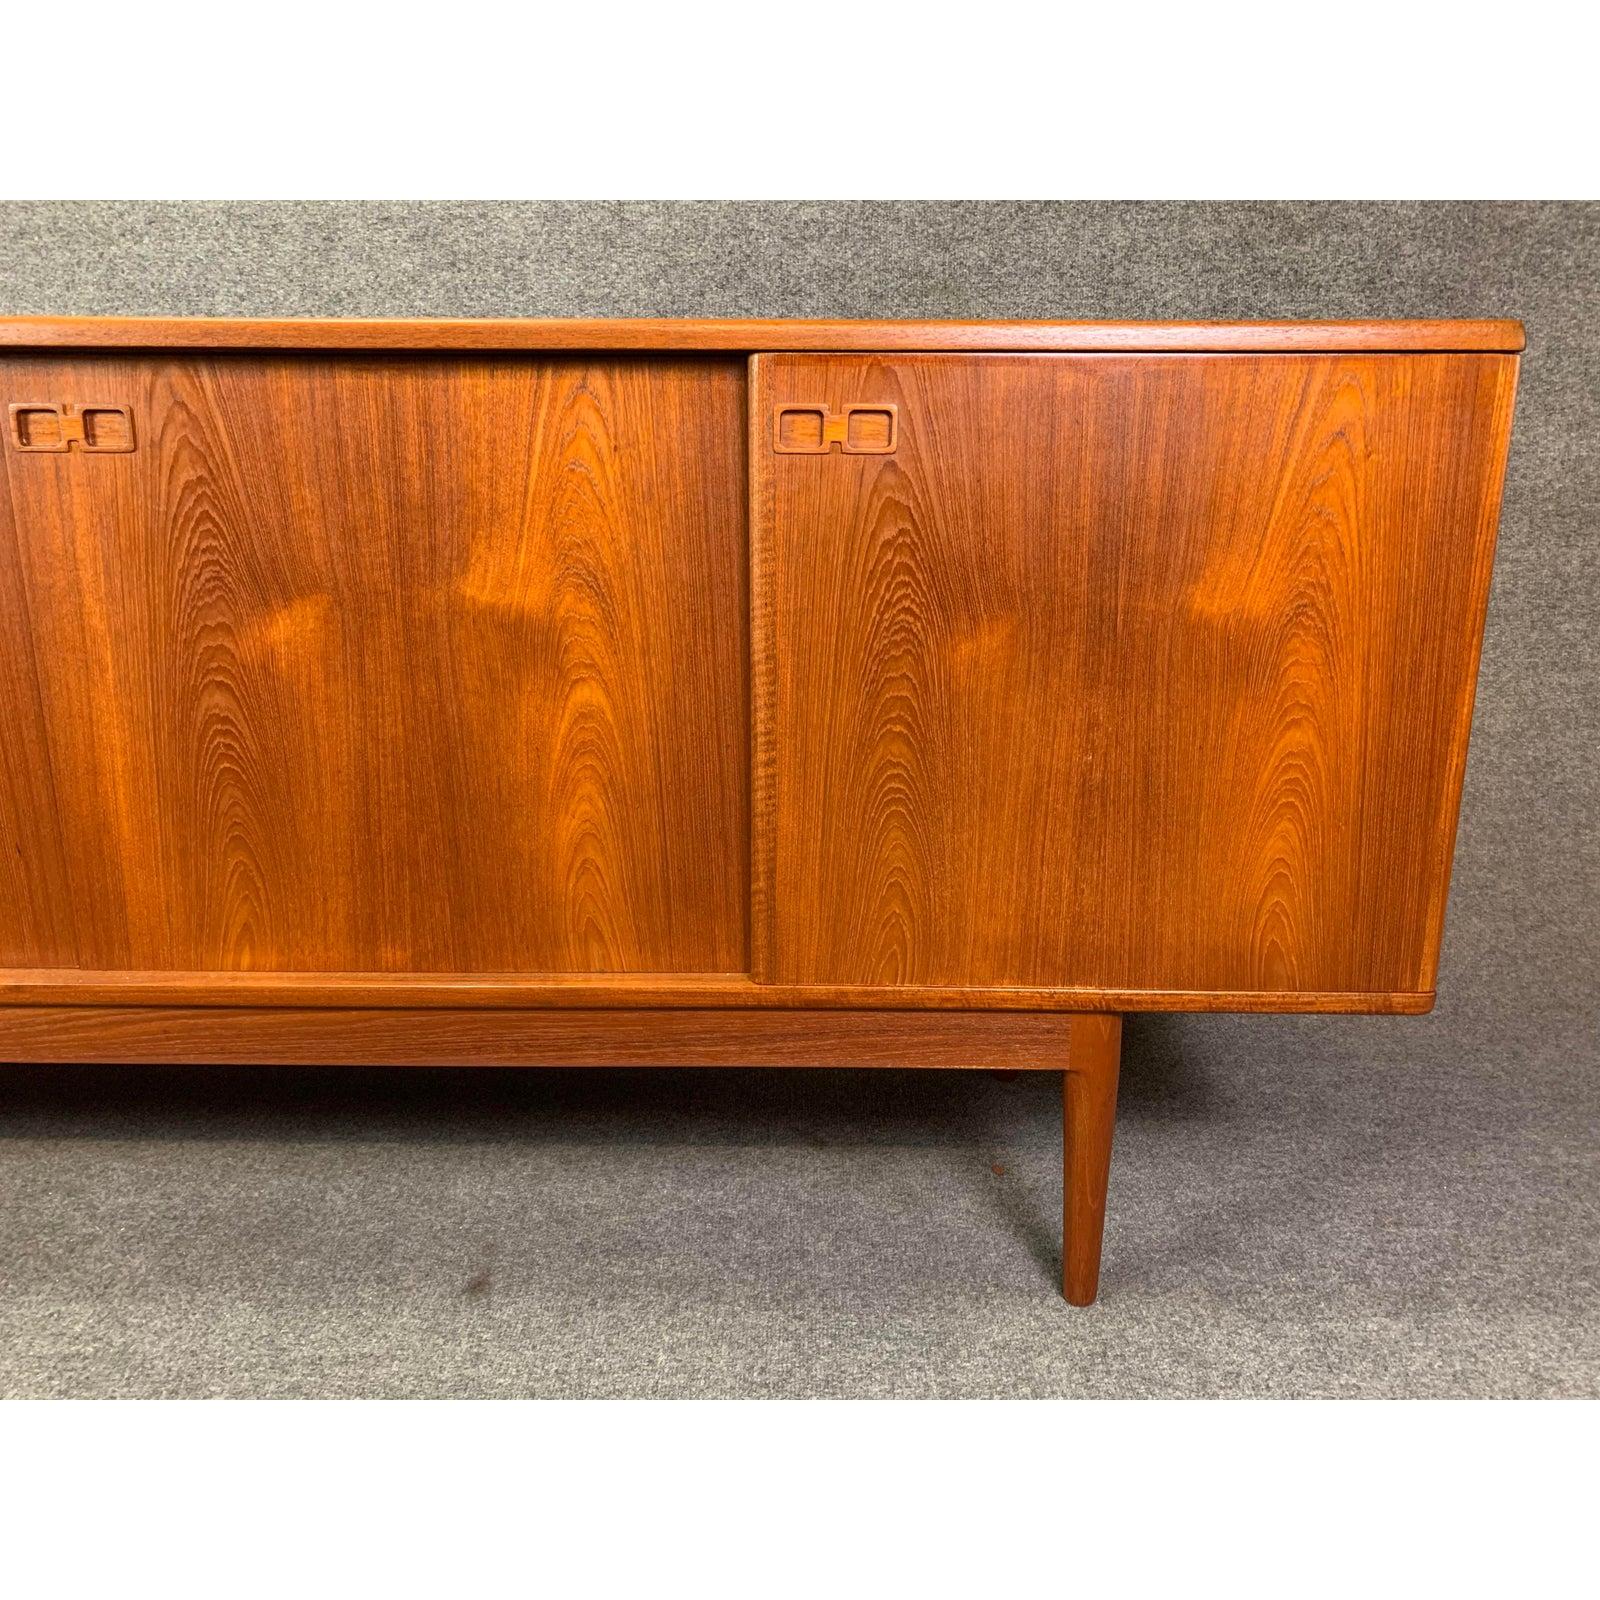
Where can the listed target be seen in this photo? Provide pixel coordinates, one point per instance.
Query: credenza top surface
(701, 334)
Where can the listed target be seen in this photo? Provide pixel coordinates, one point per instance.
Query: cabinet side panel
(378, 663)
(1143, 673)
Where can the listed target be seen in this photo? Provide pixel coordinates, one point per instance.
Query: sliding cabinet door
(1145, 672)
(373, 664)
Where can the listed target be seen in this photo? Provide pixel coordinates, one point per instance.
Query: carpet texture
(1299, 1206)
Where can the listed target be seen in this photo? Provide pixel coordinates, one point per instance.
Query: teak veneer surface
(1130, 673)
(1119, 682)
(746, 335)
(416, 667)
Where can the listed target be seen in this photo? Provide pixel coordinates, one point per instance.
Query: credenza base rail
(630, 1036)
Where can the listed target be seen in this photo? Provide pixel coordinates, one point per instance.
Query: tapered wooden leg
(1089, 1112)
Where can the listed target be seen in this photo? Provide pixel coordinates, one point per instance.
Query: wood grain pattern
(433, 665)
(483, 1037)
(726, 991)
(749, 335)
(1144, 673)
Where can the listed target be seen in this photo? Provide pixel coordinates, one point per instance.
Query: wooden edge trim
(748, 336)
(763, 684)
(70, 986)
(600, 1038)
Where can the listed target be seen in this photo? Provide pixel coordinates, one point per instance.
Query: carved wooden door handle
(864, 430)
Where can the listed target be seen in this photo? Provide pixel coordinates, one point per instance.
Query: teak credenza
(781, 693)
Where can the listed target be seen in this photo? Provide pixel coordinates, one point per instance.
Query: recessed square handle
(813, 430)
(39, 425)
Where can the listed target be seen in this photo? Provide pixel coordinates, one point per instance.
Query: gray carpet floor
(1300, 1207)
